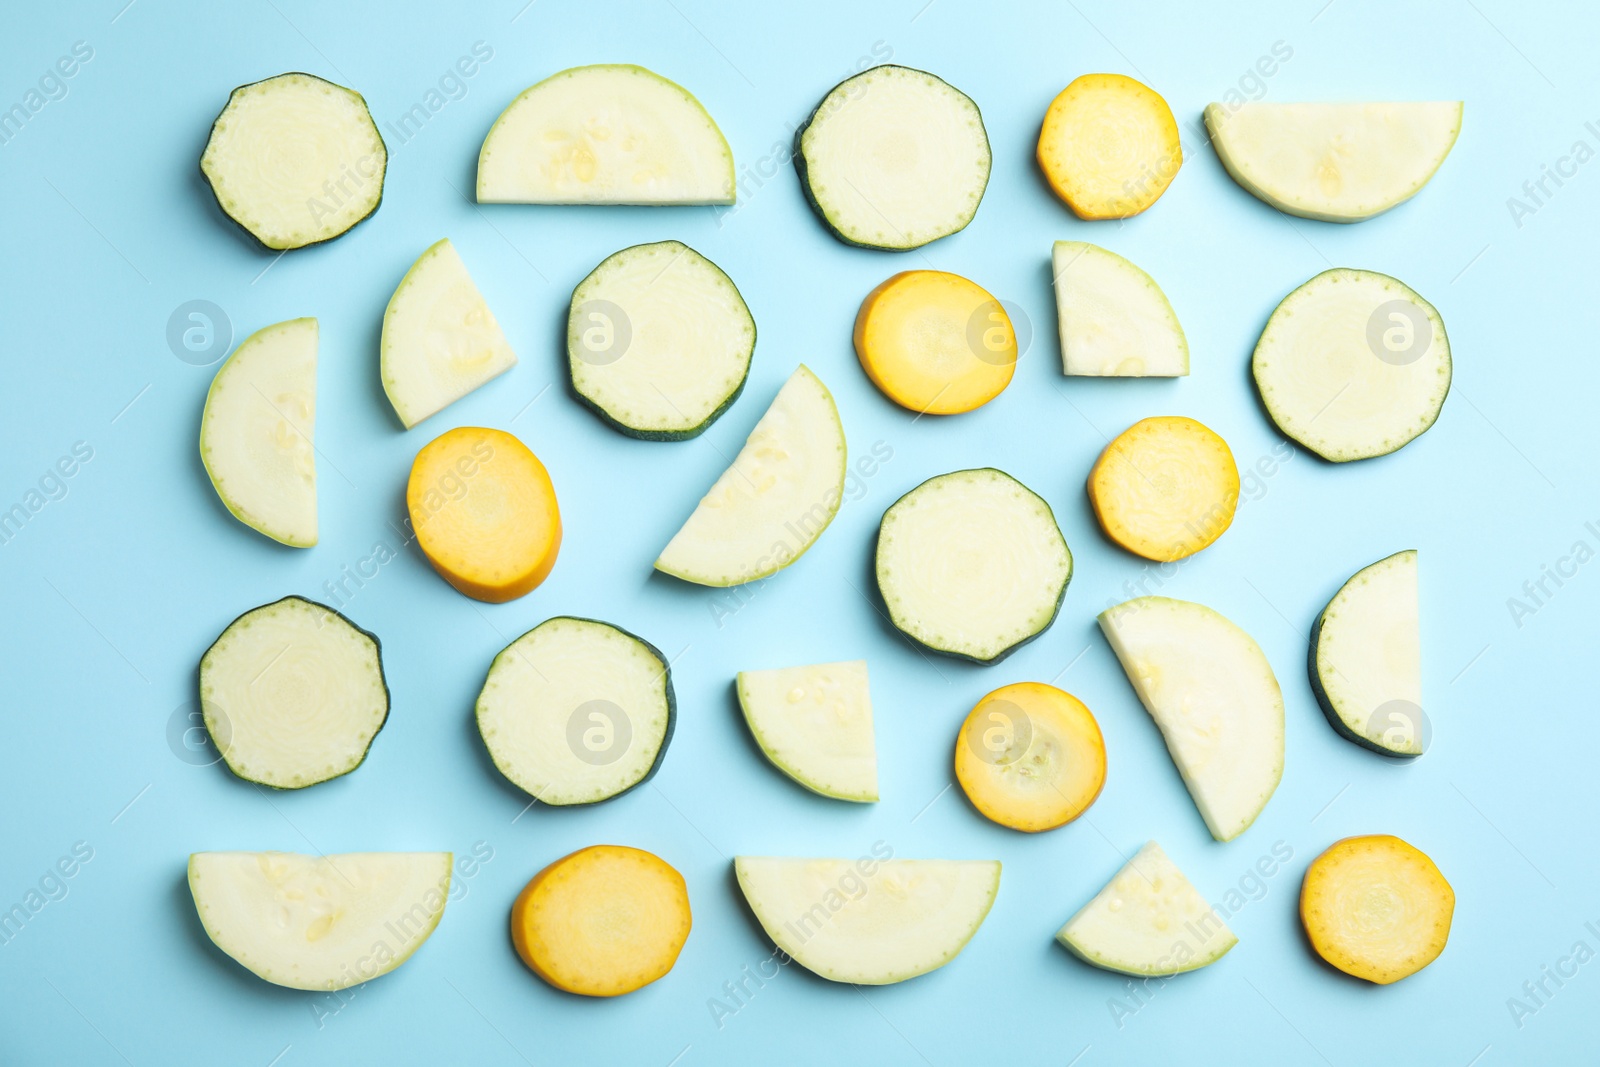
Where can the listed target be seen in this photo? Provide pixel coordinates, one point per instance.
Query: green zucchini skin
(622, 427)
(672, 706)
(1003, 653)
(1321, 694)
(803, 171)
(383, 679)
(258, 242)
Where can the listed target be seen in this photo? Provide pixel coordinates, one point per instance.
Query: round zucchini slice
(295, 160)
(935, 343)
(659, 341)
(293, 694)
(893, 158)
(577, 711)
(1353, 364)
(972, 564)
(1165, 488)
(1031, 757)
(1376, 907)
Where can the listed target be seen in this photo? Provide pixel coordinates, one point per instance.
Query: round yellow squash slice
(935, 342)
(1109, 146)
(1165, 488)
(1377, 908)
(1031, 757)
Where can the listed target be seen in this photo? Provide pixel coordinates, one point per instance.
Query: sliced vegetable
(293, 693)
(258, 430)
(1366, 658)
(972, 564)
(659, 341)
(1031, 757)
(869, 922)
(1109, 146)
(440, 340)
(1334, 162)
(1215, 698)
(893, 158)
(320, 922)
(775, 499)
(295, 160)
(1148, 920)
(1377, 908)
(1353, 364)
(1165, 488)
(1115, 320)
(602, 922)
(484, 512)
(935, 343)
(815, 725)
(611, 133)
(577, 711)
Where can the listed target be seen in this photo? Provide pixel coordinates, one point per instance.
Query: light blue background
(111, 593)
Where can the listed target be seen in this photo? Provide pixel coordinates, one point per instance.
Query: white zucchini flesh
(775, 499)
(869, 922)
(1210, 689)
(320, 922)
(1366, 658)
(258, 431)
(972, 564)
(1148, 920)
(1353, 364)
(605, 134)
(815, 724)
(659, 341)
(894, 158)
(295, 160)
(1115, 320)
(293, 693)
(1338, 162)
(577, 711)
(440, 340)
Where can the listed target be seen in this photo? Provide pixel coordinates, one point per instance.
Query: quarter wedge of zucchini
(611, 133)
(815, 724)
(1209, 688)
(293, 694)
(1338, 162)
(1148, 920)
(770, 506)
(257, 434)
(1366, 658)
(295, 160)
(659, 341)
(972, 564)
(320, 922)
(440, 340)
(1115, 320)
(577, 711)
(893, 158)
(869, 921)
(1353, 364)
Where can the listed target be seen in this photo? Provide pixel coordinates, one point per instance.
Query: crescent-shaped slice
(320, 922)
(869, 921)
(1336, 162)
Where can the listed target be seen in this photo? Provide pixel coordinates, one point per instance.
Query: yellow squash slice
(1109, 146)
(1377, 908)
(935, 342)
(1031, 757)
(1165, 488)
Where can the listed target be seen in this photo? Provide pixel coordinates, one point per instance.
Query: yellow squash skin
(602, 922)
(484, 512)
(1165, 488)
(935, 343)
(1031, 757)
(1109, 146)
(1377, 908)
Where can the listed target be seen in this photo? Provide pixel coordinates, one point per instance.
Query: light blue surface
(112, 591)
